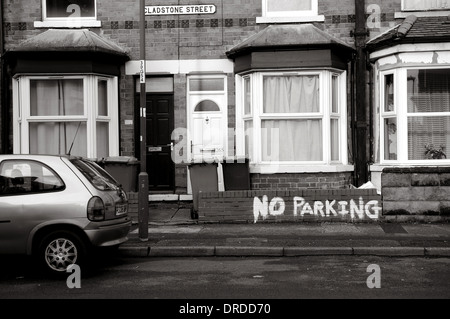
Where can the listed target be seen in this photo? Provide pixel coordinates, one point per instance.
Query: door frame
(172, 122)
(190, 111)
(189, 120)
(152, 90)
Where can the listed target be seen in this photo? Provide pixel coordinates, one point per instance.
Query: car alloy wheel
(60, 253)
(61, 249)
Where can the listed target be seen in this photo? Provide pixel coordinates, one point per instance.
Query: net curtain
(291, 139)
(57, 98)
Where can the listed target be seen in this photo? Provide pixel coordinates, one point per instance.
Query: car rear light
(96, 209)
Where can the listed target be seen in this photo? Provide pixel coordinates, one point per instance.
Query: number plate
(121, 209)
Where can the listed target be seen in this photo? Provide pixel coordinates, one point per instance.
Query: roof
(70, 40)
(287, 36)
(413, 30)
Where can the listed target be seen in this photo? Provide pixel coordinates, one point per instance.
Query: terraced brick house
(316, 94)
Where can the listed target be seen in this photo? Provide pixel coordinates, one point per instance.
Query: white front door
(207, 139)
(207, 124)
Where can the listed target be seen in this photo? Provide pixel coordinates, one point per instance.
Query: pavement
(173, 233)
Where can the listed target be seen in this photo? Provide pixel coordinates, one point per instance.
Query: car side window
(27, 177)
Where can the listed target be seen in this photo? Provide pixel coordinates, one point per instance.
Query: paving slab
(173, 233)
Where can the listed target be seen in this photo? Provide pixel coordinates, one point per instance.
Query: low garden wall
(416, 193)
(256, 206)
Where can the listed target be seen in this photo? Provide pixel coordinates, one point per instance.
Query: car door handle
(4, 221)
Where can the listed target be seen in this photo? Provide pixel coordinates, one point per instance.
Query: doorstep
(169, 197)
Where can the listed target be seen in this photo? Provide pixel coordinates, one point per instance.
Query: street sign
(177, 10)
(142, 71)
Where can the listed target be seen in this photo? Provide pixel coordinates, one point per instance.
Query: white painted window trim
(290, 13)
(401, 113)
(257, 165)
(290, 16)
(424, 9)
(22, 116)
(300, 19)
(79, 22)
(68, 24)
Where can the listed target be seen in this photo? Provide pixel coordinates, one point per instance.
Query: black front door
(160, 124)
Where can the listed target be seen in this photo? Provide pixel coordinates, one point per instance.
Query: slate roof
(288, 36)
(70, 40)
(414, 30)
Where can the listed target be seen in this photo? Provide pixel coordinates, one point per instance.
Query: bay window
(416, 119)
(62, 114)
(293, 119)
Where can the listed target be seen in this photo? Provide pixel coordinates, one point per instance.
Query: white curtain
(57, 98)
(291, 139)
(57, 138)
(291, 94)
(429, 93)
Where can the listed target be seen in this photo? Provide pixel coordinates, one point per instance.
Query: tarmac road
(255, 278)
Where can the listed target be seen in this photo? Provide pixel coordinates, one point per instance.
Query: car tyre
(60, 249)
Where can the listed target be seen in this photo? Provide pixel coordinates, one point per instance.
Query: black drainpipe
(4, 112)
(371, 119)
(360, 124)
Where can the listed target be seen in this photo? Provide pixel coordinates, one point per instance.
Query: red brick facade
(205, 37)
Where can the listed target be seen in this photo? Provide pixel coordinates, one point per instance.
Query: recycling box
(124, 169)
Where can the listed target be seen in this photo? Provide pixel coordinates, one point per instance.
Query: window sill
(68, 24)
(380, 167)
(271, 20)
(419, 14)
(291, 168)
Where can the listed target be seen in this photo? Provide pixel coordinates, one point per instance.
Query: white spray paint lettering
(357, 209)
(263, 208)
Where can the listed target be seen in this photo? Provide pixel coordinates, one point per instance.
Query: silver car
(57, 208)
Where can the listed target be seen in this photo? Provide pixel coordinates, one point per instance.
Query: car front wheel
(59, 250)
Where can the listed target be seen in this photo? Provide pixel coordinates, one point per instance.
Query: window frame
(402, 115)
(387, 114)
(61, 188)
(325, 114)
(22, 112)
(290, 13)
(290, 16)
(422, 9)
(69, 22)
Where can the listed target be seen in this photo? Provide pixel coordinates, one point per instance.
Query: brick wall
(416, 193)
(308, 205)
(295, 181)
(192, 37)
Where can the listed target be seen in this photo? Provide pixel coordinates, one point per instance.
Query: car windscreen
(96, 175)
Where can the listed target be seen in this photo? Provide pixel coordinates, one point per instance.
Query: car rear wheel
(59, 250)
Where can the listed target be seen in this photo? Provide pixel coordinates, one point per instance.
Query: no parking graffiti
(356, 208)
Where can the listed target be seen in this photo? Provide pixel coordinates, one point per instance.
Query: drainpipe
(4, 132)
(360, 124)
(371, 119)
